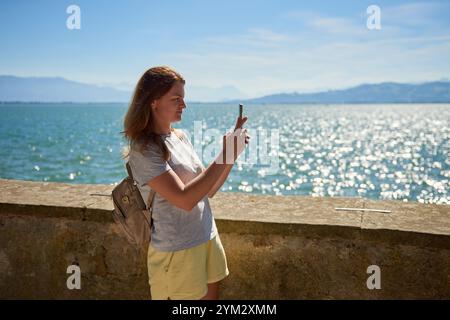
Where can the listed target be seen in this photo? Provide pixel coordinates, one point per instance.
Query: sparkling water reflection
(398, 151)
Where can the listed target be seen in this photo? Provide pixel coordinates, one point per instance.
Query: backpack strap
(151, 196)
(152, 193)
(130, 174)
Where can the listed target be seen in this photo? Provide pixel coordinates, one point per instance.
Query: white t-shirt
(173, 228)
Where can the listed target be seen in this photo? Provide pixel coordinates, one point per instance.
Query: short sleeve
(194, 154)
(147, 165)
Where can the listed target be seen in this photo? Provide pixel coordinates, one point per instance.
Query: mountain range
(387, 92)
(57, 89)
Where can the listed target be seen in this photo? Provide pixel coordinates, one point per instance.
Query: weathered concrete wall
(277, 247)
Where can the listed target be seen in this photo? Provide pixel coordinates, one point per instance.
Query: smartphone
(241, 110)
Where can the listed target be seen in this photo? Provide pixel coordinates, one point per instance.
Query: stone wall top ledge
(244, 213)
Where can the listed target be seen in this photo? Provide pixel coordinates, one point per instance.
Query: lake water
(397, 151)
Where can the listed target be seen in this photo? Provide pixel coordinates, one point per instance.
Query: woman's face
(169, 107)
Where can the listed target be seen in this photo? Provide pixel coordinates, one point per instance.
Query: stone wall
(278, 247)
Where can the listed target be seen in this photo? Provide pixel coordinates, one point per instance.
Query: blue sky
(258, 47)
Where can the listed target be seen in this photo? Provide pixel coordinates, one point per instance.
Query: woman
(186, 259)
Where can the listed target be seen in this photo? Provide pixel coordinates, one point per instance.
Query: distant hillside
(46, 89)
(387, 92)
(57, 89)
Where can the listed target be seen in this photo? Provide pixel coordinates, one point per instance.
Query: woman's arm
(223, 177)
(186, 196)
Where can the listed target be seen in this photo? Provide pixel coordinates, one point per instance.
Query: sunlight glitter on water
(397, 151)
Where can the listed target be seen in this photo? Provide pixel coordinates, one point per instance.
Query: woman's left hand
(239, 123)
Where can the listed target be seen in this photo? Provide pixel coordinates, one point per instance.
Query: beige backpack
(130, 211)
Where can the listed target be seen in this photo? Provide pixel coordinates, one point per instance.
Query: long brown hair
(138, 123)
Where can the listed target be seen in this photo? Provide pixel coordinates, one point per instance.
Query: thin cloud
(413, 14)
(256, 37)
(338, 26)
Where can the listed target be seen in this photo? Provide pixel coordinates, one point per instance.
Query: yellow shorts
(184, 274)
